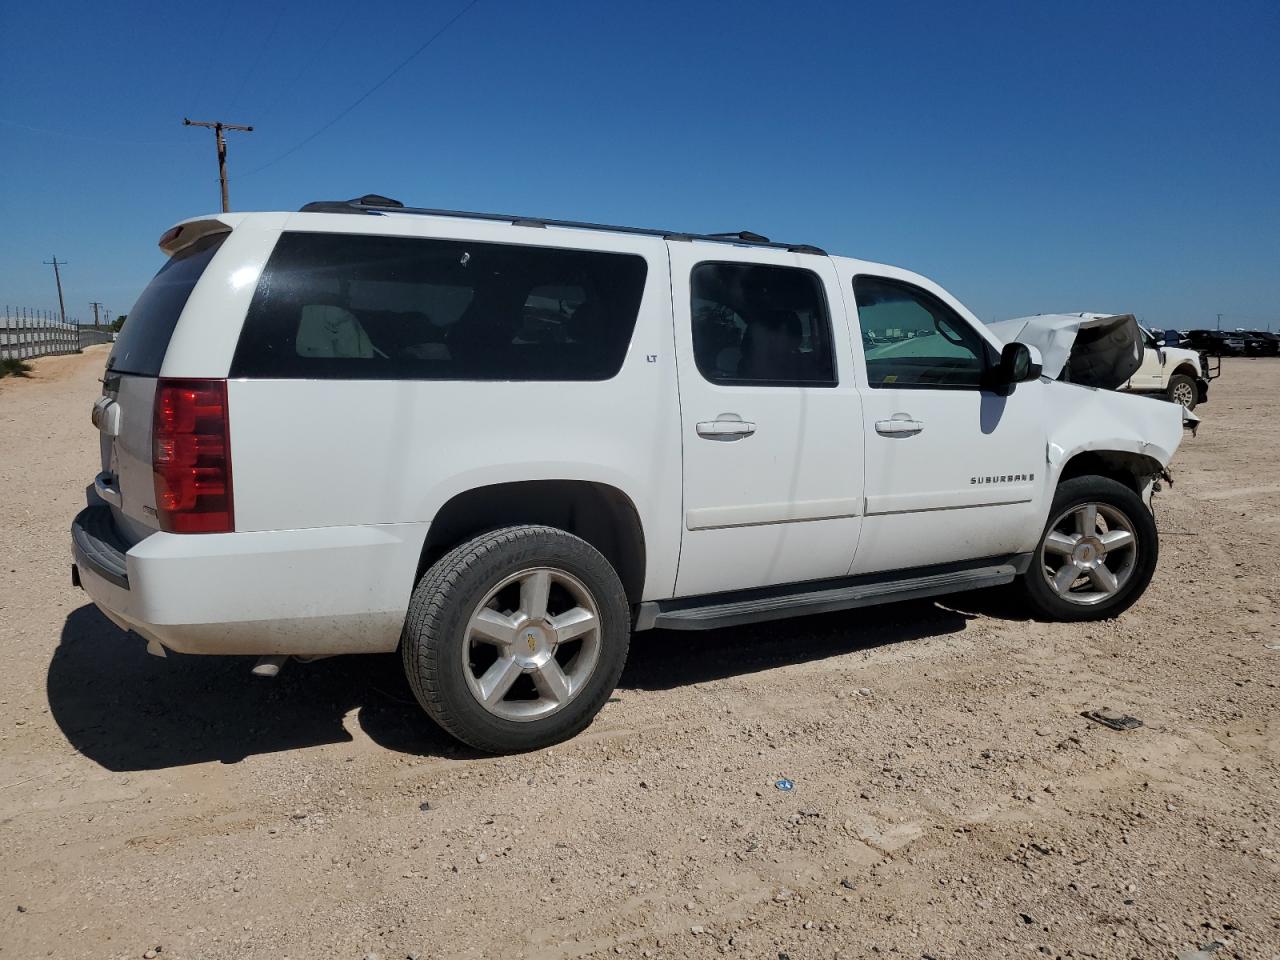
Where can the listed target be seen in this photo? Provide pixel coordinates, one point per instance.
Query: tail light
(191, 456)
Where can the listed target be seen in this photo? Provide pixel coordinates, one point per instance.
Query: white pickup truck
(499, 445)
(1175, 373)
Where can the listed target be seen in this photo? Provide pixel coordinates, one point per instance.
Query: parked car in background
(1257, 344)
(500, 445)
(1220, 343)
(1273, 340)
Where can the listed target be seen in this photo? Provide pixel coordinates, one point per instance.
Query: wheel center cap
(1086, 553)
(533, 644)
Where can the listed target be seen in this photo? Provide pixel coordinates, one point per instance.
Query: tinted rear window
(378, 308)
(149, 325)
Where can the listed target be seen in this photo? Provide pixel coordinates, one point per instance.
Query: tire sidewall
(462, 586)
(1094, 489)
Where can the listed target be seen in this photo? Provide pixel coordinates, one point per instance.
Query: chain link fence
(25, 334)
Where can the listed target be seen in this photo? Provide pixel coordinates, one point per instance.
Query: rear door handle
(898, 427)
(728, 426)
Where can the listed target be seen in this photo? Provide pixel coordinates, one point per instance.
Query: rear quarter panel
(314, 453)
(205, 338)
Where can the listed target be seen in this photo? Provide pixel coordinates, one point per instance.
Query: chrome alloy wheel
(1089, 553)
(1184, 393)
(532, 644)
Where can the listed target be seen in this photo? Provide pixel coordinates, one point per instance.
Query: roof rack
(378, 205)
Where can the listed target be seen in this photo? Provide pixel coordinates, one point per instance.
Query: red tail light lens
(191, 457)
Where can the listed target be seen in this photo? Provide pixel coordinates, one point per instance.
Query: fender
(1088, 419)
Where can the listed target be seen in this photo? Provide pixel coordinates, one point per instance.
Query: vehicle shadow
(127, 710)
(665, 659)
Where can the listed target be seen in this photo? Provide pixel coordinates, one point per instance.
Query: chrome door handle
(898, 427)
(726, 427)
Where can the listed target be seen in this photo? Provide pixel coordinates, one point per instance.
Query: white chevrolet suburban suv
(500, 445)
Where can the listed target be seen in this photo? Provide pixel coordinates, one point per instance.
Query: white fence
(25, 334)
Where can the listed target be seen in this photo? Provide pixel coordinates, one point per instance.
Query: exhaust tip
(268, 667)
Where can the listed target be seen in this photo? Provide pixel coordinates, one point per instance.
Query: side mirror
(1019, 363)
(1171, 338)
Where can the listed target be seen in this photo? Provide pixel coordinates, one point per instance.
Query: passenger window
(910, 338)
(381, 308)
(758, 325)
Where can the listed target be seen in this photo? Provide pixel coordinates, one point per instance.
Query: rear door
(953, 470)
(123, 414)
(770, 418)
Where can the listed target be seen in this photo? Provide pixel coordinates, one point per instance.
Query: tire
(1182, 389)
(1088, 597)
(469, 620)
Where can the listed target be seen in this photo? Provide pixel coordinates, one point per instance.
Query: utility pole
(95, 304)
(217, 126)
(58, 279)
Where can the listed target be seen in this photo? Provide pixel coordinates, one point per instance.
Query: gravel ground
(949, 801)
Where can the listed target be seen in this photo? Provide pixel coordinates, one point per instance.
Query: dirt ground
(949, 801)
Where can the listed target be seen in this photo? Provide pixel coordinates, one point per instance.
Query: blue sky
(1031, 157)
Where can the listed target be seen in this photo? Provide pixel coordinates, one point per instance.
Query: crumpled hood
(1091, 349)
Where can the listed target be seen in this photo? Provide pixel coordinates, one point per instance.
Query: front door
(953, 471)
(771, 418)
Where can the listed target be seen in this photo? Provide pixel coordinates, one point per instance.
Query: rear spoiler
(184, 234)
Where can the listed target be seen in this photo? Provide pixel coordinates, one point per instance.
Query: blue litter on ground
(785, 785)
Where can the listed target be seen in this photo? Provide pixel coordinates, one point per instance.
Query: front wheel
(515, 639)
(1097, 554)
(1182, 389)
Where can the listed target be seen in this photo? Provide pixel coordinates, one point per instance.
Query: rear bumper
(313, 592)
(98, 548)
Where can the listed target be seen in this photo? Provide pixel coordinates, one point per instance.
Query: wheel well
(602, 515)
(1134, 470)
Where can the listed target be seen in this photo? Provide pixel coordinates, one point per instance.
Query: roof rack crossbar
(376, 205)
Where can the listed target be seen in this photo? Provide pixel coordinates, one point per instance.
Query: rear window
(378, 308)
(148, 327)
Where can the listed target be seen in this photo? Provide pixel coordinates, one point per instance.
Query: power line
(218, 126)
(89, 139)
(244, 76)
(368, 93)
(285, 89)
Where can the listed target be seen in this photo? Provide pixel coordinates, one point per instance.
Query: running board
(824, 596)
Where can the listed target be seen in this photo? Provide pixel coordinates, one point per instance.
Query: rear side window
(759, 325)
(149, 326)
(378, 308)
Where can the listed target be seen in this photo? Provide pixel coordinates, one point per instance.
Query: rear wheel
(1182, 389)
(1097, 554)
(515, 639)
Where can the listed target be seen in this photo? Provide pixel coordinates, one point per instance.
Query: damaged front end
(1098, 429)
(1090, 349)
(1101, 350)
